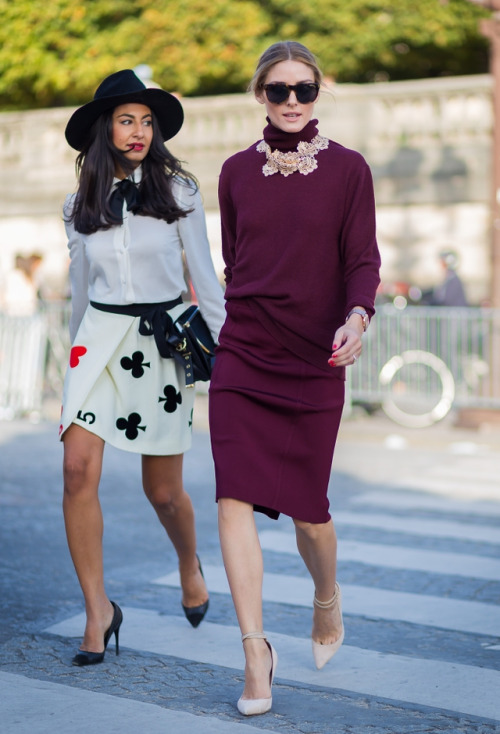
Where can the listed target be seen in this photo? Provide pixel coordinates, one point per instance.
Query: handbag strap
(155, 321)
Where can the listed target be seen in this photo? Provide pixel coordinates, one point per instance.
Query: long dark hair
(96, 165)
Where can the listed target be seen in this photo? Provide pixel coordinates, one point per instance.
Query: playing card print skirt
(118, 387)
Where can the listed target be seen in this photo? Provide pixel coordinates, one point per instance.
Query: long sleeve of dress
(358, 244)
(228, 228)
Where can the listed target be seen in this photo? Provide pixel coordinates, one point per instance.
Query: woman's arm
(228, 225)
(193, 232)
(360, 254)
(78, 271)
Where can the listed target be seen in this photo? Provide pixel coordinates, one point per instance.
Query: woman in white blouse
(135, 213)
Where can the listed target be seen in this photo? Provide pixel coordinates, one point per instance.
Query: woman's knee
(231, 510)
(314, 531)
(78, 474)
(82, 460)
(166, 499)
(162, 482)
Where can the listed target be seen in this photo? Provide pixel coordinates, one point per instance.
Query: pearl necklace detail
(302, 160)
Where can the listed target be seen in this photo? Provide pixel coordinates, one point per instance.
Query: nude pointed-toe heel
(255, 706)
(323, 653)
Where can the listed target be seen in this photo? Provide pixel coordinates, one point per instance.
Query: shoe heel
(83, 657)
(114, 628)
(256, 706)
(117, 644)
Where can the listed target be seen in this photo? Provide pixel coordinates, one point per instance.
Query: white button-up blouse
(141, 261)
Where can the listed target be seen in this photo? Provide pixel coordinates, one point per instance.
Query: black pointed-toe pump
(84, 657)
(195, 615)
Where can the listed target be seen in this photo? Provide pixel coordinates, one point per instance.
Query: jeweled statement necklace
(302, 160)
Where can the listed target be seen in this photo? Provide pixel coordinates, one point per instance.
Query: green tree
(56, 52)
(201, 46)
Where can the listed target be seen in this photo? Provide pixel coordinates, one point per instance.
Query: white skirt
(119, 387)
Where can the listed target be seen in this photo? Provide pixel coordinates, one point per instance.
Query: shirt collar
(135, 176)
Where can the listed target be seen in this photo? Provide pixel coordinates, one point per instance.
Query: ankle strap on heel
(253, 636)
(327, 604)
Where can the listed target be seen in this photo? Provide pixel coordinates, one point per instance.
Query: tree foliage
(370, 40)
(56, 53)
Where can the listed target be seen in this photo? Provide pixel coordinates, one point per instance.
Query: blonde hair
(283, 51)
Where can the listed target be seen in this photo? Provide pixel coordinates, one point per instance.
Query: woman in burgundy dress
(302, 269)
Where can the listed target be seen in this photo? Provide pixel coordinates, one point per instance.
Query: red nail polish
(331, 362)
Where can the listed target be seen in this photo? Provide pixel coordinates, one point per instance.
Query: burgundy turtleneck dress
(300, 251)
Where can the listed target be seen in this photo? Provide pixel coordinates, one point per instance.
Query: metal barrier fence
(419, 362)
(416, 364)
(22, 350)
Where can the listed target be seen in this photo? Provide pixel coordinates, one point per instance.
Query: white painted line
(399, 499)
(471, 470)
(432, 611)
(468, 448)
(457, 489)
(420, 526)
(458, 688)
(30, 706)
(392, 556)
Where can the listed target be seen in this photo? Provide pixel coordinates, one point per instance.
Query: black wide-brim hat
(121, 88)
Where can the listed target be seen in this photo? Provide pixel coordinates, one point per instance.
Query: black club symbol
(172, 399)
(136, 364)
(130, 425)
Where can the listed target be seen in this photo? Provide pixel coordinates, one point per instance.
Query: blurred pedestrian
(450, 291)
(302, 270)
(135, 212)
(19, 295)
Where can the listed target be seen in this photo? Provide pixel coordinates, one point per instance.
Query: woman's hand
(347, 345)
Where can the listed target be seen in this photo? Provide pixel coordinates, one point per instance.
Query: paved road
(418, 517)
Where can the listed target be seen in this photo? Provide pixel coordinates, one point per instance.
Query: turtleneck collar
(281, 140)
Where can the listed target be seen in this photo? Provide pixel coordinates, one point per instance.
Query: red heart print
(75, 354)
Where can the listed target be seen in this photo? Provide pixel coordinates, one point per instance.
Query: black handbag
(187, 339)
(196, 345)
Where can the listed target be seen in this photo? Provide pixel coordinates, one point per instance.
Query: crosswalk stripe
(473, 473)
(483, 489)
(59, 709)
(402, 500)
(390, 556)
(453, 614)
(468, 473)
(456, 687)
(418, 526)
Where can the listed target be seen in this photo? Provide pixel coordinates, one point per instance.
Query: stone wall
(428, 143)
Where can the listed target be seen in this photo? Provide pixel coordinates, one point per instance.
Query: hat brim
(167, 108)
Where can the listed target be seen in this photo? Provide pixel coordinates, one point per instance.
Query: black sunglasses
(278, 92)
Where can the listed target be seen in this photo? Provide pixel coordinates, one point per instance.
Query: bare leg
(82, 464)
(162, 481)
(242, 556)
(317, 544)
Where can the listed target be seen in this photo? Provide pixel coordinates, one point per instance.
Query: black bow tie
(125, 190)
